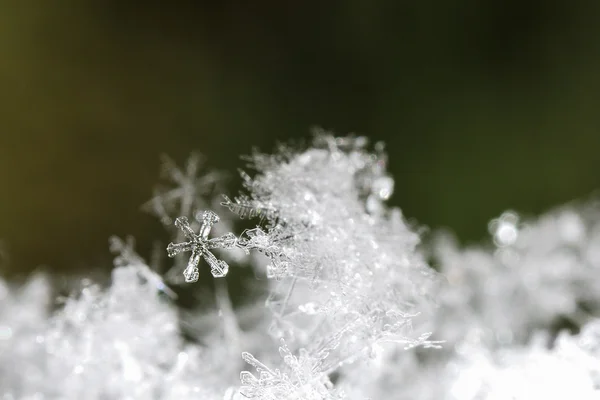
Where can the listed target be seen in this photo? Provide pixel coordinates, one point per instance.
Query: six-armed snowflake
(200, 245)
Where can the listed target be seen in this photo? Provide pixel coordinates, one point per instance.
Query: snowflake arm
(244, 207)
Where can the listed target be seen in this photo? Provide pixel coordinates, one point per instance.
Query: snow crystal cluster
(351, 307)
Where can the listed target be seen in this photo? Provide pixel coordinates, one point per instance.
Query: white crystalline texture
(357, 263)
(536, 276)
(113, 344)
(125, 255)
(300, 379)
(537, 273)
(569, 370)
(349, 292)
(23, 322)
(110, 334)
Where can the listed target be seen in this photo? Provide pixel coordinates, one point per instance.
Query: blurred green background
(484, 105)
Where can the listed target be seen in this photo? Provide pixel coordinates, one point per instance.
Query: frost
(24, 314)
(125, 255)
(569, 370)
(347, 276)
(302, 378)
(537, 275)
(200, 245)
(346, 292)
(346, 280)
(122, 342)
(537, 272)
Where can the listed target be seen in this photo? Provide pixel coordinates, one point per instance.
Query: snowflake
(199, 245)
(188, 192)
(267, 244)
(301, 378)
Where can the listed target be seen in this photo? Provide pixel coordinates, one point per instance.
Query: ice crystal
(125, 255)
(124, 251)
(537, 272)
(121, 342)
(268, 245)
(302, 378)
(349, 297)
(571, 369)
(185, 191)
(189, 191)
(200, 245)
(23, 319)
(243, 207)
(505, 229)
(348, 276)
(101, 332)
(537, 275)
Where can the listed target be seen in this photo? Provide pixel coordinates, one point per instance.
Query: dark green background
(484, 105)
